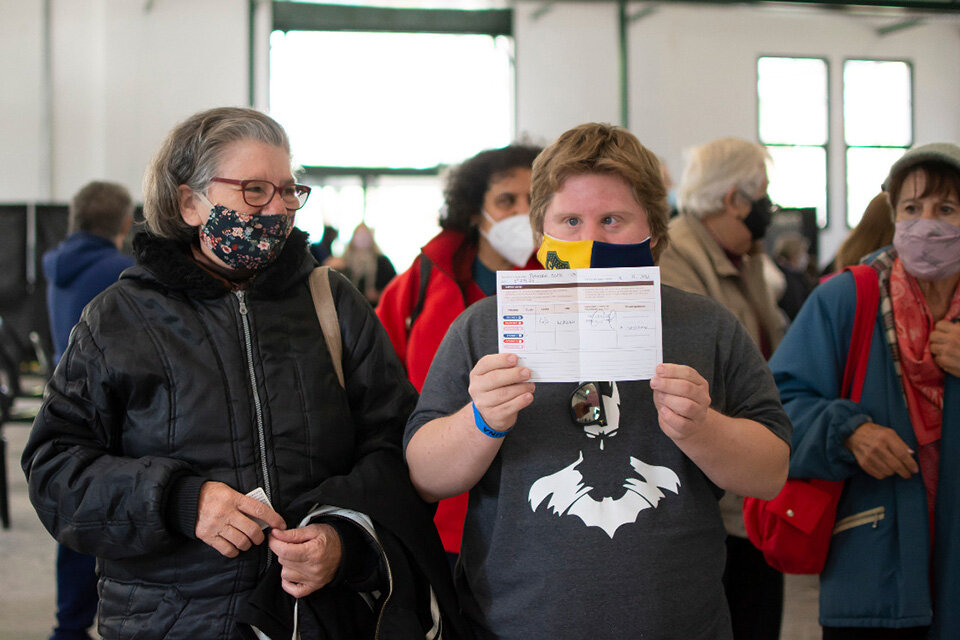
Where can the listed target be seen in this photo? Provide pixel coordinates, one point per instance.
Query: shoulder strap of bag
(327, 315)
(426, 266)
(868, 300)
(773, 526)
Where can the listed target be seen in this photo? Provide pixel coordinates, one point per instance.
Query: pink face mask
(929, 249)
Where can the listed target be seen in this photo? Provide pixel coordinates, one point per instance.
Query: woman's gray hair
(713, 168)
(191, 155)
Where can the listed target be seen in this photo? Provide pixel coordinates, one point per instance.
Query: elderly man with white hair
(715, 251)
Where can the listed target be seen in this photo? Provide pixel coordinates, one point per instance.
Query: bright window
(401, 210)
(413, 100)
(792, 117)
(374, 115)
(798, 178)
(877, 125)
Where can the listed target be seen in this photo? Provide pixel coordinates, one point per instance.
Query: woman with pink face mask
(894, 564)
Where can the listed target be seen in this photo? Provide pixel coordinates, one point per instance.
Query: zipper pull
(876, 520)
(242, 297)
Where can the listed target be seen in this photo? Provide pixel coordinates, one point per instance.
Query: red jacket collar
(452, 252)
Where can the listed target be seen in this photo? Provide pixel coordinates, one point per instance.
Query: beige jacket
(694, 261)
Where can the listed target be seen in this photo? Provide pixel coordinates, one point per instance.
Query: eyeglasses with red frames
(258, 193)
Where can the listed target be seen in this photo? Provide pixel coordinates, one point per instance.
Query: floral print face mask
(244, 242)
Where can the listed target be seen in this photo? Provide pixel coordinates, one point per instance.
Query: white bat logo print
(567, 493)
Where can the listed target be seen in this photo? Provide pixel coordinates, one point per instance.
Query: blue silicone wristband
(486, 429)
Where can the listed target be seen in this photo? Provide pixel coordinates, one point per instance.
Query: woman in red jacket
(485, 228)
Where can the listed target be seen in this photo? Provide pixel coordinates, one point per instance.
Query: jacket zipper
(870, 516)
(251, 372)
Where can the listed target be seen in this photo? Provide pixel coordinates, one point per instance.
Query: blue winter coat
(77, 270)
(878, 570)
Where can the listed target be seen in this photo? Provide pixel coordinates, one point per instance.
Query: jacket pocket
(138, 611)
(870, 516)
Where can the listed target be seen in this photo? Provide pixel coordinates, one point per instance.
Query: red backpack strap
(868, 301)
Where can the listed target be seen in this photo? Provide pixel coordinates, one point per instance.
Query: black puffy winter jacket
(171, 379)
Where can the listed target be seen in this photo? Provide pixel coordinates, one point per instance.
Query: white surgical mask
(511, 237)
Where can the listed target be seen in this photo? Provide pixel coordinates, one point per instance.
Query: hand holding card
(260, 495)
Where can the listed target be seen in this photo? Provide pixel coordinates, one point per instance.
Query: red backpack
(794, 529)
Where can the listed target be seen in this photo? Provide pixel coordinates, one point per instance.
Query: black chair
(44, 366)
(9, 387)
(8, 383)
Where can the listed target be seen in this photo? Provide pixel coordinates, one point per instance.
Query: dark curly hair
(467, 183)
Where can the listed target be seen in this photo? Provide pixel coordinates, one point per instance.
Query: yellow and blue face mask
(582, 254)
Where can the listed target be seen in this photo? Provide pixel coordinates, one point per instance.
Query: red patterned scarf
(922, 378)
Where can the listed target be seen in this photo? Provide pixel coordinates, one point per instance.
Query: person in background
(198, 439)
(791, 251)
(485, 228)
(323, 249)
(716, 250)
(874, 231)
(670, 186)
(775, 279)
(601, 523)
(88, 261)
(364, 265)
(893, 569)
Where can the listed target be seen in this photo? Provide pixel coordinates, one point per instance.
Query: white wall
(125, 71)
(21, 133)
(708, 69)
(567, 66)
(692, 73)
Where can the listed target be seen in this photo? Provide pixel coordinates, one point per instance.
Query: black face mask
(757, 221)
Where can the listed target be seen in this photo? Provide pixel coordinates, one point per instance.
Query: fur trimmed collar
(168, 262)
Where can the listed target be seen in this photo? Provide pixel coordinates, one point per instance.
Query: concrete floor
(28, 587)
(27, 554)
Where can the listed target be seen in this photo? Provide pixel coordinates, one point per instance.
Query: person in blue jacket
(893, 570)
(88, 261)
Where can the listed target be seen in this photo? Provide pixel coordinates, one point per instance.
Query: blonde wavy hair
(607, 149)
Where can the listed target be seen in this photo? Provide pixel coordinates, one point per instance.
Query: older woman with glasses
(197, 405)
